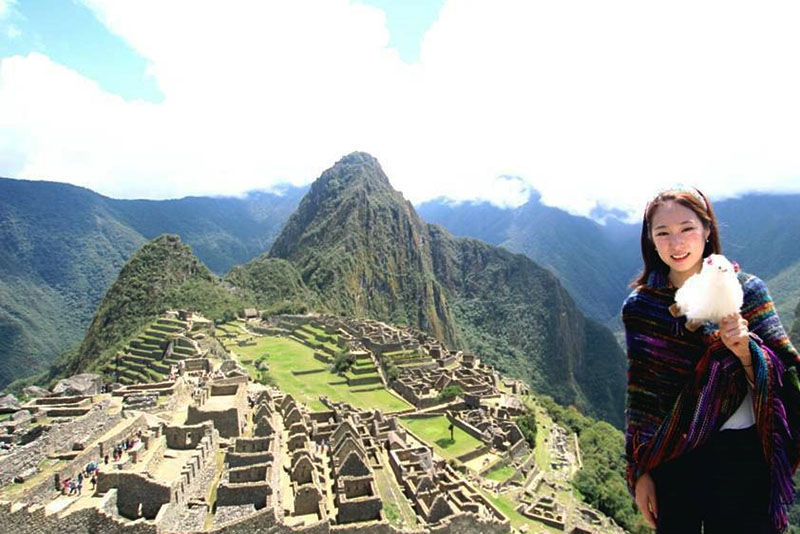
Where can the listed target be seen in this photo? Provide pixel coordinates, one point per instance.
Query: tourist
(94, 481)
(710, 438)
(72, 487)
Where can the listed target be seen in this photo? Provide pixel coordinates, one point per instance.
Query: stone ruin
(436, 490)
(165, 470)
(547, 511)
(224, 403)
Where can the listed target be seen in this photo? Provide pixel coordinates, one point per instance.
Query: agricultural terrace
(286, 357)
(436, 432)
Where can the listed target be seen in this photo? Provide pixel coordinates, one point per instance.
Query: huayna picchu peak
(361, 248)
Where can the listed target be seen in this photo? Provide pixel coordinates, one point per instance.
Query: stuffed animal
(711, 294)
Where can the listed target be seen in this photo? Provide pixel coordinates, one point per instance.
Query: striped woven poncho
(683, 386)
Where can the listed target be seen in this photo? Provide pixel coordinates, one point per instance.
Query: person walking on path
(712, 419)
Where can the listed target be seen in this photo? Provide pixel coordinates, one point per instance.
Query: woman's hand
(734, 334)
(645, 496)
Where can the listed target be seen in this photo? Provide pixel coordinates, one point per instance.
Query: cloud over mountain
(590, 104)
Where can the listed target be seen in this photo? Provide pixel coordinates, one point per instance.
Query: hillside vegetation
(62, 246)
(163, 274)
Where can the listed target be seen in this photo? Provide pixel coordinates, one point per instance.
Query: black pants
(722, 486)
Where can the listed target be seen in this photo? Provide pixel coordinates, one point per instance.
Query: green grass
(501, 474)
(506, 505)
(286, 355)
(321, 332)
(435, 431)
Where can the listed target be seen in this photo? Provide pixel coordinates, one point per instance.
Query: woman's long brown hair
(652, 262)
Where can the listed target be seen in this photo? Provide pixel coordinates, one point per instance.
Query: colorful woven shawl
(683, 386)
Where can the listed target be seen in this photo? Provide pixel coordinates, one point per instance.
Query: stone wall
(137, 495)
(255, 493)
(225, 421)
(242, 459)
(33, 520)
(466, 427)
(250, 473)
(224, 389)
(252, 444)
(57, 440)
(184, 437)
(471, 455)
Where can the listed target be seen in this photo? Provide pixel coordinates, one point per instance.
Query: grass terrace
(436, 432)
(286, 355)
(501, 474)
(507, 506)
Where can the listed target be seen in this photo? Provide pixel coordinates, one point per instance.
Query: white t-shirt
(744, 416)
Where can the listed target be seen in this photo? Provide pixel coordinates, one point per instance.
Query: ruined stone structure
(167, 478)
(225, 405)
(275, 465)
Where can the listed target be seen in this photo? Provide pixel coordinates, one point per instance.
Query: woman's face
(679, 237)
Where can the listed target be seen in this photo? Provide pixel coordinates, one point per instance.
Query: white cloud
(588, 102)
(5, 8)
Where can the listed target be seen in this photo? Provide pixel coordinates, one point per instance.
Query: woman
(712, 425)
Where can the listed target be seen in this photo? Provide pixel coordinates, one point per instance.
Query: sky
(595, 105)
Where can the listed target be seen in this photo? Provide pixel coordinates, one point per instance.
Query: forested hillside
(61, 247)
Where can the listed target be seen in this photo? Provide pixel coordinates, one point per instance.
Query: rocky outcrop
(78, 385)
(9, 404)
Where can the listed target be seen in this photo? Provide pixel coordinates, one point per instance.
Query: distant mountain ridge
(596, 262)
(61, 247)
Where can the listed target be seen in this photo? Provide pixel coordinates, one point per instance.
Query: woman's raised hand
(734, 334)
(645, 495)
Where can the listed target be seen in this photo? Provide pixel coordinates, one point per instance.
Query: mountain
(223, 231)
(273, 285)
(362, 250)
(795, 331)
(593, 264)
(360, 246)
(61, 247)
(596, 262)
(161, 275)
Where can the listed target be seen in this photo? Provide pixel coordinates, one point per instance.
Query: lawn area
(435, 431)
(544, 424)
(501, 474)
(287, 355)
(507, 506)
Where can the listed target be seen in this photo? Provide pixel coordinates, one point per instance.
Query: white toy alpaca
(711, 294)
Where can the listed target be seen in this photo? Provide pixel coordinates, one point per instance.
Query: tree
(391, 372)
(343, 362)
(449, 393)
(527, 425)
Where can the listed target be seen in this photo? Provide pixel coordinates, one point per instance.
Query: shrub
(391, 373)
(527, 425)
(449, 393)
(343, 362)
